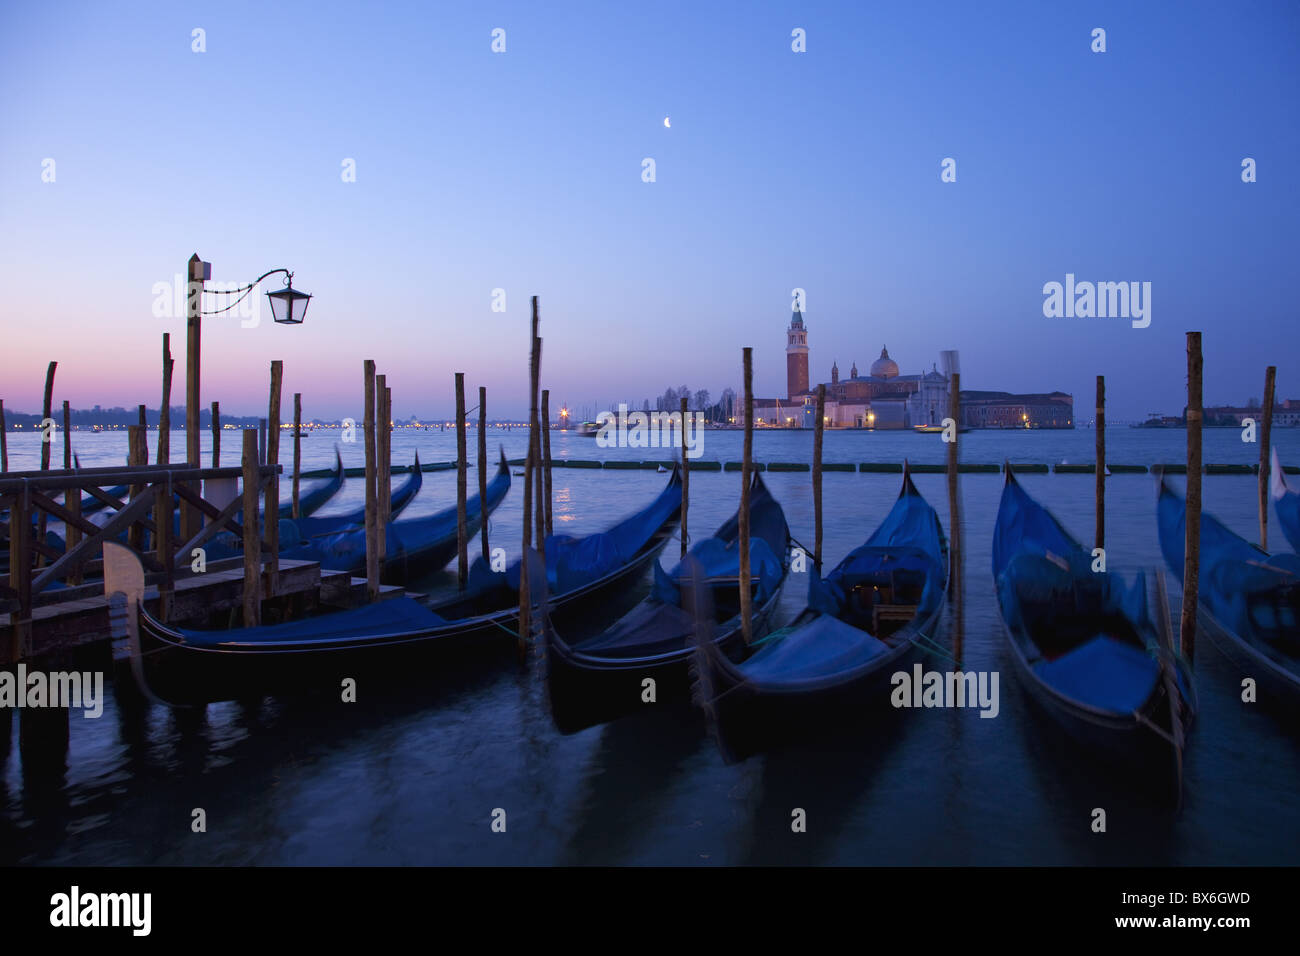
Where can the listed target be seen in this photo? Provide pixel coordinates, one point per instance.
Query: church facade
(884, 398)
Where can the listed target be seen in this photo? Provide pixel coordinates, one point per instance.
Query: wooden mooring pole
(746, 596)
(956, 584)
(252, 536)
(272, 506)
(1192, 539)
(20, 572)
(216, 438)
(67, 437)
(383, 467)
(163, 508)
(137, 457)
(1265, 462)
(297, 452)
(462, 490)
(192, 517)
(525, 592)
(372, 500)
(47, 439)
(4, 440)
(546, 456)
(818, 430)
(48, 416)
(164, 410)
(539, 467)
(686, 483)
(72, 497)
(482, 470)
(1100, 537)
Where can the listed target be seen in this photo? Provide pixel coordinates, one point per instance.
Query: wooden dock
(46, 609)
(72, 618)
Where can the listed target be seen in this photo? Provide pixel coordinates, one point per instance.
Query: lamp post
(288, 307)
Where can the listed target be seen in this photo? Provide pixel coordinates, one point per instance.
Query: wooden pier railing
(148, 509)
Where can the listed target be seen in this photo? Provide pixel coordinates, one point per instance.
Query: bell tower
(796, 357)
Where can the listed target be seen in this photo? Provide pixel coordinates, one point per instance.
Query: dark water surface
(413, 772)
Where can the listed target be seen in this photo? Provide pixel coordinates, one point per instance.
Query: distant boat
(588, 429)
(935, 429)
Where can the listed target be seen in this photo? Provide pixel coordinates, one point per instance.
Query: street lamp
(288, 307)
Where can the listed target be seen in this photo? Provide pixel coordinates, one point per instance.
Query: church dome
(884, 367)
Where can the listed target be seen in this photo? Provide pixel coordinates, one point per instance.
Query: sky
(522, 171)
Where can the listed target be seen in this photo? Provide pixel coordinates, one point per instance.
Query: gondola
(599, 679)
(412, 546)
(311, 526)
(314, 499)
(1085, 645)
(869, 617)
(1249, 600)
(585, 577)
(1286, 502)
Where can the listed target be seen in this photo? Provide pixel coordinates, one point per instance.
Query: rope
(514, 634)
(925, 642)
(1143, 719)
(781, 632)
(806, 550)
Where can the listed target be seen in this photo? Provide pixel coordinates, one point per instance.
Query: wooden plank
(74, 521)
(71, 559)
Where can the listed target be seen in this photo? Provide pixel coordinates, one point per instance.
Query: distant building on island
(1286, 414)
(886, 399)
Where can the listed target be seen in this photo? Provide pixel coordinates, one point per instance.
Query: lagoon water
(412, 773)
